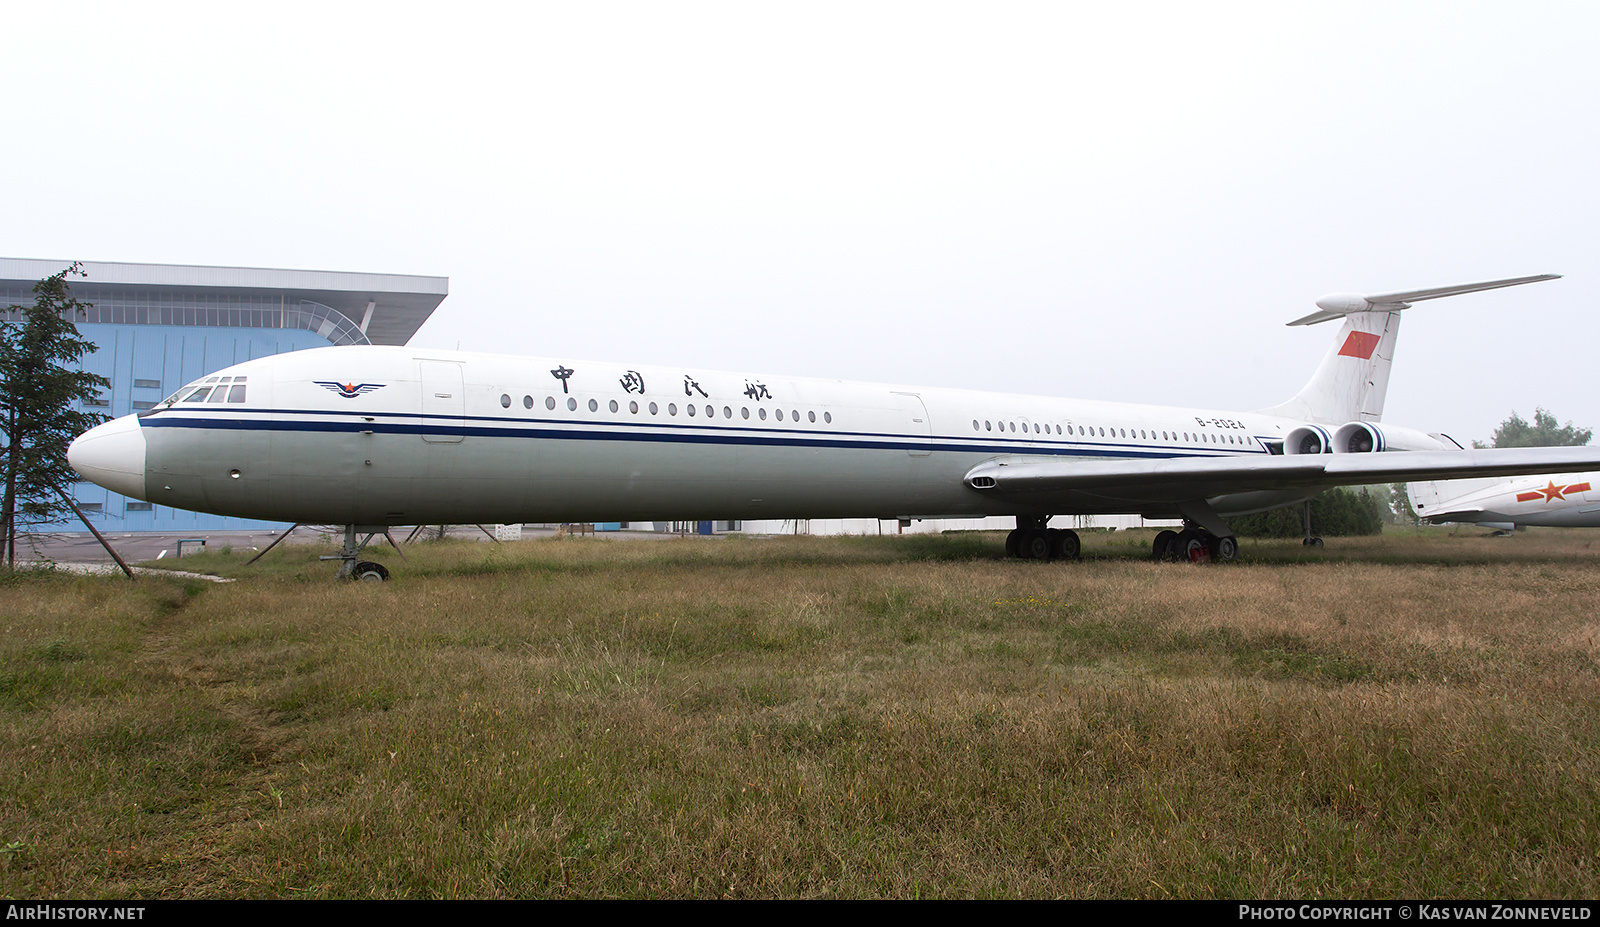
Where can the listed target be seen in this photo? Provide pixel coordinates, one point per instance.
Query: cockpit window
(229, 389)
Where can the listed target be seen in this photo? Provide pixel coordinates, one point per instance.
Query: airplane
(371, 437)
(1564, 500)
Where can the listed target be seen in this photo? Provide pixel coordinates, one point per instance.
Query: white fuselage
(1569, 500)
(399, 435)
(377, 436)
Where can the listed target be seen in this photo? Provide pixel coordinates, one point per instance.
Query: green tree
(1338, 512)
(1400, 511)
(39, 387)
(1543, 432)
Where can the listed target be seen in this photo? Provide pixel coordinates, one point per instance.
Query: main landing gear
(350, 567)
(1310, 540)
(1033, 541)
(1193, 544)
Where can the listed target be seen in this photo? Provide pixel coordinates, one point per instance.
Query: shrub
(1336, 513)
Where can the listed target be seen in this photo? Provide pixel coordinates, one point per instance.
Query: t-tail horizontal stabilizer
(1353, 378)
(1336, 305)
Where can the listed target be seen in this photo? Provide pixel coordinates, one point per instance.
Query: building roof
(399, 303)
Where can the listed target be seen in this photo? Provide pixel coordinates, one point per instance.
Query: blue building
(159, 326)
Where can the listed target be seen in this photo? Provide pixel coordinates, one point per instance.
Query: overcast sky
(1110, 201)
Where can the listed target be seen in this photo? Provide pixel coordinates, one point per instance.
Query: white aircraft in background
(372, 437)
(1566, 500)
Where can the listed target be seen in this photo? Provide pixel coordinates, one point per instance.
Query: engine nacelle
(1308, 439)
(1371, 437)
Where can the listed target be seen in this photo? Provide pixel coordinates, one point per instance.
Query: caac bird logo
(348, 390)
(1552, 492)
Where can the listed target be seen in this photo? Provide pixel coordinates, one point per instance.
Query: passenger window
(594, 406)
(727, 412)
(613, 405)
(761, 414)
(778, 413)
(572, 405)
(691, 409)
(811, 416)
(633, 407)
(827, 417)
(672, 408)
(527, 402)
(505, 400)
(654, 408)
(744, 411)
(549, 402)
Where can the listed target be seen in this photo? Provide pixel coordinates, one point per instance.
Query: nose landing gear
(352, 568)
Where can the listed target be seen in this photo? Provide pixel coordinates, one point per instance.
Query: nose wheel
(350, 565)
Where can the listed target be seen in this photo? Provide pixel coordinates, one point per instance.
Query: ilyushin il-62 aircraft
(372, 437)
(1563, 500)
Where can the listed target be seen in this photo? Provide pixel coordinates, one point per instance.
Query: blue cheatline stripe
(606, 431)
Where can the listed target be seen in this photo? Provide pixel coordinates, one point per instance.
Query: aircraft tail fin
(1434, 496)
(1353, 378)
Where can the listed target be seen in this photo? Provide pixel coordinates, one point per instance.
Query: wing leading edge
(1189, 479)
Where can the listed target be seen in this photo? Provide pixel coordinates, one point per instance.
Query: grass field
(1413, 715)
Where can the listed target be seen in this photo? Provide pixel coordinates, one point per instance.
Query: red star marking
(1552, 492)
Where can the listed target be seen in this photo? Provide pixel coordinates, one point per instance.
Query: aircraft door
(444, 402)
(914, 415)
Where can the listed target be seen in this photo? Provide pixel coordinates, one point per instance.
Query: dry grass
(911, 717)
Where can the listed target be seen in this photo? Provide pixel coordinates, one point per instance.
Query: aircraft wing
(1037, 480)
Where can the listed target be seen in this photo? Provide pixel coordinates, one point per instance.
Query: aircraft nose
(112, 455)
